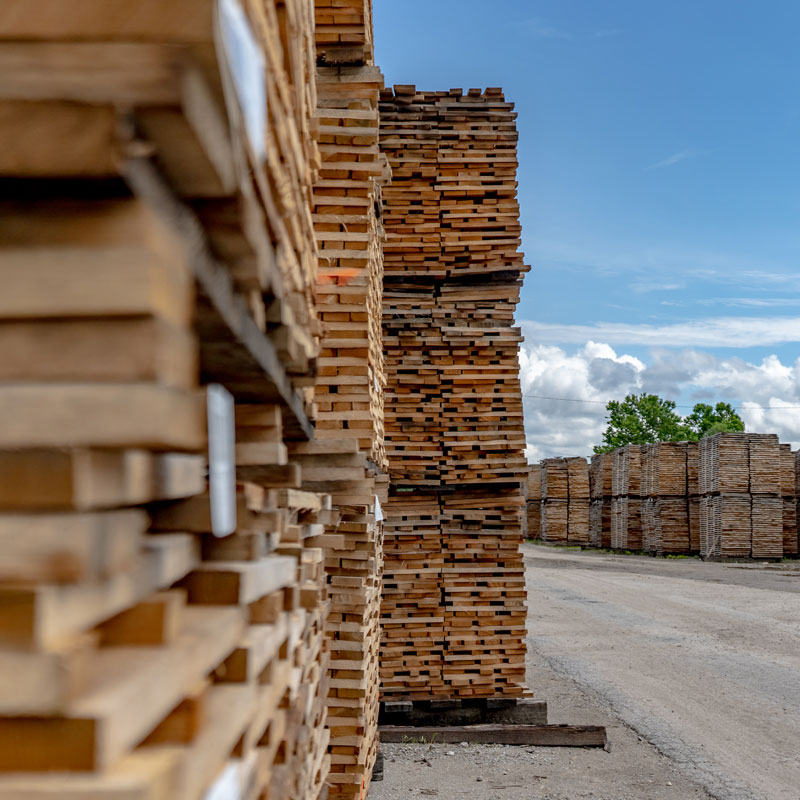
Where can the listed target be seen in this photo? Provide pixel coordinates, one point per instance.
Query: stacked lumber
(534, 502)
(453, 599)
(789, 497)
(348, 459)
(626, 506)
(601, 492)
(740, 479)
(565, 500)
(162, 238)
(668, 468)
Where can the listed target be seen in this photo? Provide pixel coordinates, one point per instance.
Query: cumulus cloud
(595, 373)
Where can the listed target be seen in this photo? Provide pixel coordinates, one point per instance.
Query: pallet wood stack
(161, 237)
(453, 607)
(626, 506)
(669, 505)
(349, 459)
(742, 503)
(601, 493)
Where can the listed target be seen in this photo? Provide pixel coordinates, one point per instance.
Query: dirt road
(702, 660)
(694, 668)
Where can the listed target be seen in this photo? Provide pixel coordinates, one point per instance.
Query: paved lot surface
(694, 668)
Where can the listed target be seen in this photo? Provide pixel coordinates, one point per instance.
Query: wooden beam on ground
(539, 735)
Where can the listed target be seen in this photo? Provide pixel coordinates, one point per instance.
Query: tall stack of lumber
(161, 238)
(453, 609)
(742, 504)
(534, 502)
(565, 500)
(789, 496)
(348, 459)
(669, 505)
(626, 506)
(601, 494)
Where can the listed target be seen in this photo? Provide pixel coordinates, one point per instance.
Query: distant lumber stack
(742, 506)
(669, 498)
(565, 501)
(453, 609)
(626, 507)
(601, 494)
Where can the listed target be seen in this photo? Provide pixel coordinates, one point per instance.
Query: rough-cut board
(538, 735)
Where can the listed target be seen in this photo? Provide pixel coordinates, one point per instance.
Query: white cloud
(708, 332)
(675, 158)
(541, 29)
(596, 373)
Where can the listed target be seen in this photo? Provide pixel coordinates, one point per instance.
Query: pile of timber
(742, 477)
(565, 500)
(349, 459)
(601, 496)
(453, 608)
(161, 238)
(670, 502)
(626, 506)
(534, 502)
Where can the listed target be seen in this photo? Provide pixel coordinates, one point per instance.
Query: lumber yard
(261, 450)
(729, 496)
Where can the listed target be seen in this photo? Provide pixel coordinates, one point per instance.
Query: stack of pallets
(349, 458)
(453, 599)
(601, 493)
(742, 505)
(626, 506)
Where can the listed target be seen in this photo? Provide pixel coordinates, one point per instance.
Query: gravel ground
(694, 669)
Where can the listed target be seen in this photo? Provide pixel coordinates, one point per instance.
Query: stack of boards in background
(173, 193)
(565, 500)
(733, 495)
(626, 505)
(743, 480)
(453, 610)
(670, 502)
(534, 502)
(601, 494)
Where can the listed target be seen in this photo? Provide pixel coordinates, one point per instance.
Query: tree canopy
(645, 418)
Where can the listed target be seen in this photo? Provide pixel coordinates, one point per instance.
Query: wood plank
(538, 735)
(101, 415)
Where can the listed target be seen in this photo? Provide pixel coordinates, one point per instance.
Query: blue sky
(659, 190)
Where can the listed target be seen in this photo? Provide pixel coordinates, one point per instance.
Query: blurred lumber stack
(742, 509)
(454, 429)
(626, 506)
(349, 459)
(600, 491)
(160, 238)
(534, 502)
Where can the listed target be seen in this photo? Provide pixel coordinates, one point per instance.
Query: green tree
(645, 418)
(706, 421)
(640, 419)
